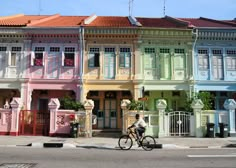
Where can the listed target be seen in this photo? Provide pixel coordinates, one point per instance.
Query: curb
(112, 147)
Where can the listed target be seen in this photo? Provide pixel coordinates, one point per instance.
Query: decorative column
(88, 105)
(15, 116)
(197, 106)
(230, 105)
(53, 106)
(161, 106)
(124, 107)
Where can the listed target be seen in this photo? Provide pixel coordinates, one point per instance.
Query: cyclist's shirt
(140, 123)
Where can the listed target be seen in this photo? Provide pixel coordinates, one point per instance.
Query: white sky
(215, 9)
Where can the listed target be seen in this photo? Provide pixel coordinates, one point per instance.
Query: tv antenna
(164, 8)
(40, 7)
(131, 7)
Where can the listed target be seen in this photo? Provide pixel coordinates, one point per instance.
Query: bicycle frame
(131, 132)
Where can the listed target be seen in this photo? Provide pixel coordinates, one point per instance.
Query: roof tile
(159, 22)
(111, 21)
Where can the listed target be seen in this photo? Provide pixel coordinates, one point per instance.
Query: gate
(33, 122)
(179, 123)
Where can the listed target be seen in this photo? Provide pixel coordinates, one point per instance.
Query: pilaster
(230, 105)
(161, 106)
(124, 107)
(15, 105)
(197, 106)
(53, 106)
(88, 105)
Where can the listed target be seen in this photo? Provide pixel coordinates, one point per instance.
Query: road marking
(210, 156)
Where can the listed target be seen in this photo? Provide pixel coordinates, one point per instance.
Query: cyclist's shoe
(139, 143)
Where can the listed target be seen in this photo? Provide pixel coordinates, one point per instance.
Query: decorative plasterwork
(219, 35)
(110, 31)
(166, 32)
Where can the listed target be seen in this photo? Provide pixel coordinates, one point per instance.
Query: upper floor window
(125, 58)
(54, 49)
(179, 51)
(3, 49)
(14, 51)
(149, 58)
(69, 56)
(164, 50)
(217, 52)
(231, 52)
(202, 51)
(149, 50)
(93, 58)
(203, 62)
(38, 56)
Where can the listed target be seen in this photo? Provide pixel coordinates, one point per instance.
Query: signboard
(143, 99)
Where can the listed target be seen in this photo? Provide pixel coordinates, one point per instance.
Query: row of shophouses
(108, 59)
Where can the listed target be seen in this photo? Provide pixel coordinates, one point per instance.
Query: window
(38, 56)
(13, 59)
(93, 57)
(149, 50)
(231, 52)
(14, 51)
(202, 51)
(203, 59)
(164, 50)
(38, 61)
(179, 51)
(149, 58)
(203, 62)
(216, 52)
(69, 57)
(54, 49)
(125, 58)
(3, 48)
(231, 63)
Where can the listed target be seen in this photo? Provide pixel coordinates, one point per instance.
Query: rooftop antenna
(40, 7)
(131, 7)
(164, 9)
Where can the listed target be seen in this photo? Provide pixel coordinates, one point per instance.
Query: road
(102, 158)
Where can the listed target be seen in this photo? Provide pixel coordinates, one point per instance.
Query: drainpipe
(81, 32)
(194, 32)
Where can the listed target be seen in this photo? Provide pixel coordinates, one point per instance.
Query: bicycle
(125, 142)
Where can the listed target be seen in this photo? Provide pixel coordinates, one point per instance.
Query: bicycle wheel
(125, 142)
(148, 143)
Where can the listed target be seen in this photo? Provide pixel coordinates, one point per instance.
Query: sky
(214, 9)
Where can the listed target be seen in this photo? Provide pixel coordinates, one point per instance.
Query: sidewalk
(112, 143)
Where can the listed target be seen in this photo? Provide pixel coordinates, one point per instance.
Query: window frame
(38, 52)
(125, 57)
(94, 57)
(67, 53)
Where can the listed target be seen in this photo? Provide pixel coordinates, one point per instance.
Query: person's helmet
(137, 116)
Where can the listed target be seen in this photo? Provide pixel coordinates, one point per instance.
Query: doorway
(110, 114)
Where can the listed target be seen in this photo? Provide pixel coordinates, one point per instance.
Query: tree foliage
(70, 104)
(206, 98)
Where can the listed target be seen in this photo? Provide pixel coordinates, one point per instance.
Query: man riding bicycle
(140, 126)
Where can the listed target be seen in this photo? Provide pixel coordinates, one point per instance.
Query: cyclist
(140, 127)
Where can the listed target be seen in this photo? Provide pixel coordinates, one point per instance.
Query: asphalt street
(14, 157)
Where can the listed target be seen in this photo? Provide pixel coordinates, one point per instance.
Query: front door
(110, 114)
(43, 118)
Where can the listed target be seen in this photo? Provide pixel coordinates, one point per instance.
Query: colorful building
(108, 59)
